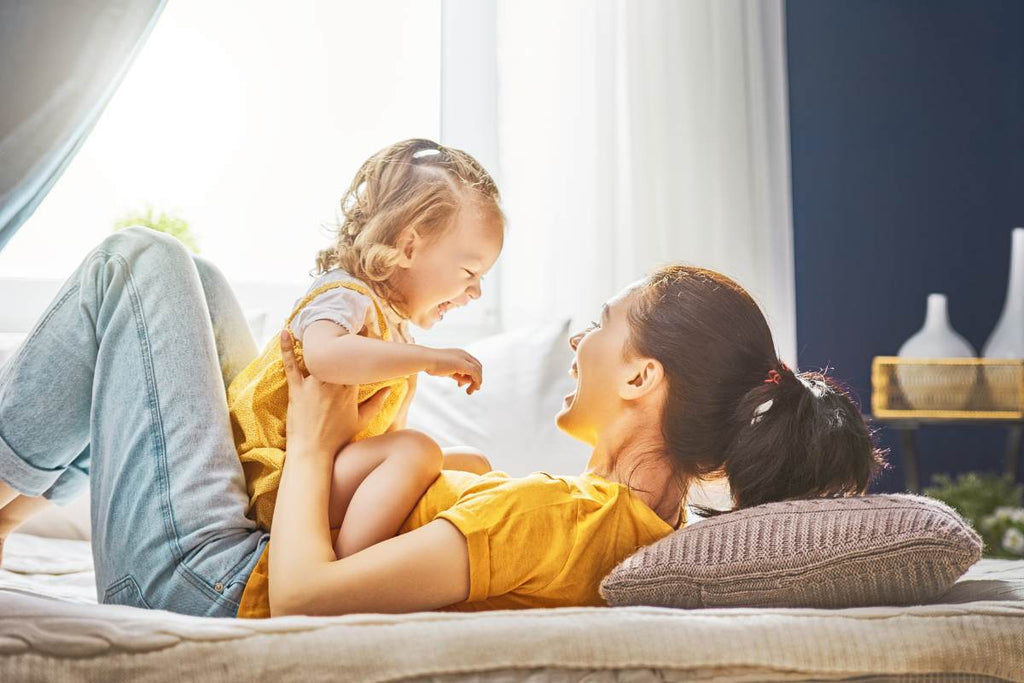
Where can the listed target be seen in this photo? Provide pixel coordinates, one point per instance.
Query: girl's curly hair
(414, 183)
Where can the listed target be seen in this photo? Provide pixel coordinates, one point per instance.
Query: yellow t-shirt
(534, 541)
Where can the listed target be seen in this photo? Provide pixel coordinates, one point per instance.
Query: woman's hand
(322, 417)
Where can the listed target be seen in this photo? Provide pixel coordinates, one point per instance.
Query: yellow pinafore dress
(258, 404)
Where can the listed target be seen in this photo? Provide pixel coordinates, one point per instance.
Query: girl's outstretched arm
(333, 355)
(424, 569)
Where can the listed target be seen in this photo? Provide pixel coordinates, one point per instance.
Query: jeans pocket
(125, 591)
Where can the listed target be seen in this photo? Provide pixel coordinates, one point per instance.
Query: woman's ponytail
(798, 436)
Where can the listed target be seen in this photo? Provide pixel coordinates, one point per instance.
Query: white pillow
(512, 418)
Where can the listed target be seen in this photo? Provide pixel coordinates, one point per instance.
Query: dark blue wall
(907, 134)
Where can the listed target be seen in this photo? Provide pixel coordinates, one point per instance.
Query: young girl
(422, 226)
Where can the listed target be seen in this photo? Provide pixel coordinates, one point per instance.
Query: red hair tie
(773, 375)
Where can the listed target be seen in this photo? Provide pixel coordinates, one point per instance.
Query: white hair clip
(426, 153)
(760, 411)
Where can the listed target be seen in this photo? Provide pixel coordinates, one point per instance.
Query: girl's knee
(419, 449)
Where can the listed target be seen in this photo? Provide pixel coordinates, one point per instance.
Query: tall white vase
(1007, 339)
(1002, 383)
(930, 387)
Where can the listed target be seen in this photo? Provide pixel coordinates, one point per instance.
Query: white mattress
(52, 630)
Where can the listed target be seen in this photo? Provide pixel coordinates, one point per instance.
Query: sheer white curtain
(637, 132)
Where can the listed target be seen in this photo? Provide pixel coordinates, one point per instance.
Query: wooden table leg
(1013, 438)
(909, 450)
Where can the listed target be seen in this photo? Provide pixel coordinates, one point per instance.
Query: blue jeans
(122, 385)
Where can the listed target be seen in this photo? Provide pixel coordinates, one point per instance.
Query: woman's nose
(474, 291)
(574, 340)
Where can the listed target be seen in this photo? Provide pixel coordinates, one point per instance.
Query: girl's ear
(408, 244)
(643, 376)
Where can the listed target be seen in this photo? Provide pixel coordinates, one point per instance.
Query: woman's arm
(424, 569)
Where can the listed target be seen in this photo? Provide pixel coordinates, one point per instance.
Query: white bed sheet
(52, 630)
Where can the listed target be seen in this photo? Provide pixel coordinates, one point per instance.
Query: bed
(51, 629)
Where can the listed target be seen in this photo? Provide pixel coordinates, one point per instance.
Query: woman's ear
(644, 375)
(407, 244)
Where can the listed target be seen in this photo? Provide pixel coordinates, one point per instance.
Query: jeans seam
(153, 401)
(56, 306)
(170, 526)
(9, 365)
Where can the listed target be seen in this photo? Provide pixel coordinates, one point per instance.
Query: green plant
(1006, 525)
(977, 496)
(164, 222)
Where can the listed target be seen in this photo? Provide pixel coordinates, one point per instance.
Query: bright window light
(248, 120)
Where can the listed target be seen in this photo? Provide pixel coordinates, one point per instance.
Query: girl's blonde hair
(414, 183)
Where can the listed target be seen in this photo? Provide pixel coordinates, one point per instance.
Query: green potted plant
(164, 222)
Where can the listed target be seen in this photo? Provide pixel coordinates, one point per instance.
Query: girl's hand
(322, 417)
(459, 365)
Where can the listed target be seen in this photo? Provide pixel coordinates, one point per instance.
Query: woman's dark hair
(733, 407)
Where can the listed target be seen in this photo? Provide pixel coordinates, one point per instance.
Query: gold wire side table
(909, 393)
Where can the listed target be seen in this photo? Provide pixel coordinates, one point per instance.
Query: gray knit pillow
(826, 552)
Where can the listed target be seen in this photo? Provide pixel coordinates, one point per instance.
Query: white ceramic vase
(1007, 339)
(1002, 383)
(932, 387)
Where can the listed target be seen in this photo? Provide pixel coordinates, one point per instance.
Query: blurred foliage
(977, 496)
(164, 222)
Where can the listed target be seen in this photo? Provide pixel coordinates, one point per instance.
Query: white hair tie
(760, 411)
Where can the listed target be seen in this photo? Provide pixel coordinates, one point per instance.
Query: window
(249, 121)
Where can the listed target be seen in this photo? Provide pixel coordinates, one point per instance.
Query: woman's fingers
(291, 366)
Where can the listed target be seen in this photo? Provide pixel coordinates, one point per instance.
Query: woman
(120, 382)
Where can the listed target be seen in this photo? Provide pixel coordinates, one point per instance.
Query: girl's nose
(474, 291)
(574, 340)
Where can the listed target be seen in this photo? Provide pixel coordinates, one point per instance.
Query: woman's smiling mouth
(574, 373)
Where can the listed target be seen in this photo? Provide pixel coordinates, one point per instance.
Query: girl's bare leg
(352, 465)
(377, 483)
(466, 459)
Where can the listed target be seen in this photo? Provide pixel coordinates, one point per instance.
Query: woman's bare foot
(16, 512)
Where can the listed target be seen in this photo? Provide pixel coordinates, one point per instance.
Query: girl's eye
(469, 272)
(593, 325)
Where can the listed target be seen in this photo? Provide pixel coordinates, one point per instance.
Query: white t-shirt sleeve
(342, 306)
